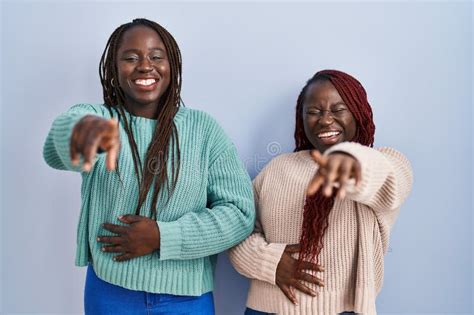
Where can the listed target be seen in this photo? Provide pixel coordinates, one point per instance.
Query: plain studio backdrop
(245, 63)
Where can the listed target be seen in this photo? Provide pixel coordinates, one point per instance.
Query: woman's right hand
(289, 276)
(89, 135)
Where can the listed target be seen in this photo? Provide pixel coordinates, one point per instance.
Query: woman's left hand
(334, 168)
(140, 237)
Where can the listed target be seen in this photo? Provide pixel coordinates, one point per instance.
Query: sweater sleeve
(56, 150)
(228, 219)
(386, 178)
(255, 258)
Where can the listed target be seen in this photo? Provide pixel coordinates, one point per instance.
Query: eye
(315, 112)
(130, 58)
(339, 111)
(156, 57)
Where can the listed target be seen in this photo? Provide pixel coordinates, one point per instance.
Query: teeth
(328, 134)
(145, 82)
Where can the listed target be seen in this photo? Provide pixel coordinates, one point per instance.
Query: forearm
(255, 258)
(227, 220)
(203, 234)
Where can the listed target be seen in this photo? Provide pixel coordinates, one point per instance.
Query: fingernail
(103, 249)
(98, 239)
(120, 217)
(114, 259)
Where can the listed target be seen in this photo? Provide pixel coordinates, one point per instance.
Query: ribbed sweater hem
(177, 277)
(270, 299)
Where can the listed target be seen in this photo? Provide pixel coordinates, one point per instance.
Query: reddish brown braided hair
(317, 207)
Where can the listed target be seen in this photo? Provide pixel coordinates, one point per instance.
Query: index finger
(315, 184)
(333, 168)
(113, 147)
(115, 240)
(111, 156)
(357, 173)
(75, 157)
(114, 228)
(293, 248)
(90, 151)
(343, 178)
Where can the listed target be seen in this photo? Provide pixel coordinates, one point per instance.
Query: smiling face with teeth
(143, 70)
(327, 120)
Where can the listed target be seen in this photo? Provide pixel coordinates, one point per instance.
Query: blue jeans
(103, 298)
(250, 311)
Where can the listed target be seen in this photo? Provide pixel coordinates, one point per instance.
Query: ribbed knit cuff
(374, 169)
(351, 148)
(171, 240)
(56, 151)
(271, 255)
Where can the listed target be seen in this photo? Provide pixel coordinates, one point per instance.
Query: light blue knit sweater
(211, 209)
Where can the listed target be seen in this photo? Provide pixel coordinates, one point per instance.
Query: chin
(323, 147)
(147, 101)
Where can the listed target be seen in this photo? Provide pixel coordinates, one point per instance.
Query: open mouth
(145, 82)
(328, 134)
(146, 85)
(329, 137)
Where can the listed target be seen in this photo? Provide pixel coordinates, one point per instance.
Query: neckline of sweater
(138, 120)
(180, 114)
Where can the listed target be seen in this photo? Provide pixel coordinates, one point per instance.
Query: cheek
(165, 70)
(351, 130)
(122, 73)
(310, 122)
(166, 75)
(309, 125)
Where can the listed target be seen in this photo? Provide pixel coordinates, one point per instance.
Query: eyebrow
(136, 50)
(335, 104)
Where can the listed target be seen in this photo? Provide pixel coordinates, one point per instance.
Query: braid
(154, 168)
(317, 207)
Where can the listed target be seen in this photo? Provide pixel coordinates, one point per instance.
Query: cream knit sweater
(355, 241)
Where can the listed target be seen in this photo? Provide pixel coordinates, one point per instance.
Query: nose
(145, 65)
(326, 118)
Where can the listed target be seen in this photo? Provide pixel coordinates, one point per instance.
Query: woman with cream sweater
(324, 212)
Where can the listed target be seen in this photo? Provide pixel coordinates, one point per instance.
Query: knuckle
(89, 143)
(345, 167)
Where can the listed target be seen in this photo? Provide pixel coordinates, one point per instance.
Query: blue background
(245, 63)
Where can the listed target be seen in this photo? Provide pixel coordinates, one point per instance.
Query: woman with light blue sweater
(163, 191)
